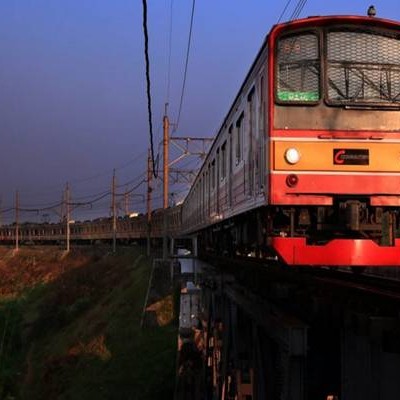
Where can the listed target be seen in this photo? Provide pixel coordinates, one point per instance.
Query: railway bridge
(267, 333)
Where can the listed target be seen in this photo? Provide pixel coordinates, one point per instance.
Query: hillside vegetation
(70, 327)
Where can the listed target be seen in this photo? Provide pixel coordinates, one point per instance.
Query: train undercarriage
(348, 225)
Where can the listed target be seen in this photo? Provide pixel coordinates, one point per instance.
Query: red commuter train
(306, 165)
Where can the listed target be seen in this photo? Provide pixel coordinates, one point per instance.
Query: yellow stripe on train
(335, 156)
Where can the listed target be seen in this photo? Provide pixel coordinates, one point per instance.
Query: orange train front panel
(312, 171)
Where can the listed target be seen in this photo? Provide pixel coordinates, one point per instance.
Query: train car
(306, 165)
(100, 229)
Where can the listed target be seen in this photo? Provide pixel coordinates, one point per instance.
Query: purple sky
(72, 85)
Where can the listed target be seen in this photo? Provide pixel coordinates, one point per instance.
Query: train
(127, 230)
(305, 167)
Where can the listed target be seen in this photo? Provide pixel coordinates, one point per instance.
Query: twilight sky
(72, 86)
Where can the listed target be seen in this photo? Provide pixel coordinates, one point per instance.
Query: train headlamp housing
(292, 156)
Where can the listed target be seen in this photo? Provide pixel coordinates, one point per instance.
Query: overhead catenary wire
(298, 9)
(284, 10)
(97, 197)
(53, 188)
(131, 190)
(85, 203)
(134, 180)
(109, 172)
(148, 83)
(92, 195)
(186, 67)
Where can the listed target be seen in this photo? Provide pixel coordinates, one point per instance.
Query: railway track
(363, 282)
(367, 283)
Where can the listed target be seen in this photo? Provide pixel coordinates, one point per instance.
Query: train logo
(350, 156)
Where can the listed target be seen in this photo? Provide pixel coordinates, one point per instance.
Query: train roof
(318, 21)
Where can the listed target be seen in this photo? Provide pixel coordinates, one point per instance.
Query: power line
(92, 195)
(141, 176)
(37, 210)
(284, 10)
(186, 66)
(298, 9)
(147, 61)
(109, 172)
(131, 190)
(86, 203)
(52, 188)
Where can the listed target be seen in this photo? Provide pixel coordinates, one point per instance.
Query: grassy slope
(77, 334)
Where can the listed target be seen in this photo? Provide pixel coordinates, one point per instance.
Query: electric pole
(126, 201)
(114, 215)
(165, 177)
(149, 177)
(68, 211)
(62, 207)
(16, 221)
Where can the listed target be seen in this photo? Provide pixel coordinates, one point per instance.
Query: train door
(208, 192)
(261, 137)
(213, 191)
(223, 191)
(203, 197)
(250, 149)
(217, 181)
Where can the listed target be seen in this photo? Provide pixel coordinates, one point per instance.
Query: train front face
(334, 122)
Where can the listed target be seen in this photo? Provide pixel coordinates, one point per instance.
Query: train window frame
(352, 28)
(321, 56)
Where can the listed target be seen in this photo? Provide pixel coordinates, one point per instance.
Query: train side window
(217, 167)
(204, 194)
(298, 69)
(223, 161)
(209, 188)
(213, 174)
(239, 138)
(198, 205)
(230, 130)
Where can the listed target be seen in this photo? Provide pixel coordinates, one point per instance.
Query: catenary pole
(165, 179)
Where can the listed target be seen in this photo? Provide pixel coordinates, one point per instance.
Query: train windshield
(363, 68)
(298, 77)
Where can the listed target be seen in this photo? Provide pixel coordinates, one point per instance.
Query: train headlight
(292, 156)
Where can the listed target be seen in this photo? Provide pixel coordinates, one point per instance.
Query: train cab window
(363, 67)
(298, 69)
